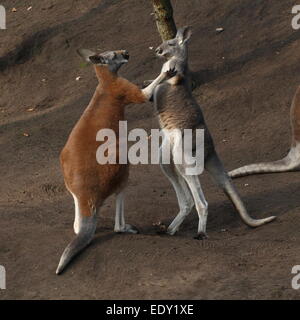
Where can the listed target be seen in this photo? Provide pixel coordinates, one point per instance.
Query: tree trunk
(164, 19)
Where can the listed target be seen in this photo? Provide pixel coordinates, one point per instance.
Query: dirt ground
(248, 76)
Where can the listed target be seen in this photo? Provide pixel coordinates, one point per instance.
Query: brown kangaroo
(89, 182)
(291, 162)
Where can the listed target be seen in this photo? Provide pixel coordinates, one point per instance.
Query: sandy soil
(248, 76)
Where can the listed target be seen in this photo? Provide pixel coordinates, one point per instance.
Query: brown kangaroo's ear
(184, 34)
(86, 54)
(96, 59)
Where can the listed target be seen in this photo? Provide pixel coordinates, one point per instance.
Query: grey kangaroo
(177, 109)
(291, 162)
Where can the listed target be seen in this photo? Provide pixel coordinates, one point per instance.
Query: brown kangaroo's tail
(82, 240)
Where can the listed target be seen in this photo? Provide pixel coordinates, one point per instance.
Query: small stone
(78, 78)
(219, 30)
(151, 48)
(29, 8)
(50, 6)
(14, 10)
(25, 134)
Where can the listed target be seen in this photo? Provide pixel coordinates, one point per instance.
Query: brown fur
(295, 118)
(91, 182)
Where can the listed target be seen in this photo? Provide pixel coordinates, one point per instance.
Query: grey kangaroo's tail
(82, 240)
(289, 163)
(215, 168)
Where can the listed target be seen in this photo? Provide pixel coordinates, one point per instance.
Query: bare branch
(164, 19)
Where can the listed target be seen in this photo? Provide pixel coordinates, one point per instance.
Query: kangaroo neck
(104, 75)
(180, 65)
(105, 97)
(183, 77)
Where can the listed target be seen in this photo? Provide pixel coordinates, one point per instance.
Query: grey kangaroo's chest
(176, 108)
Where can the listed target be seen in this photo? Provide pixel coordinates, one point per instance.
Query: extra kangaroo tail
(82, 240)
(215, 168)
(282, 165)
(292, 161)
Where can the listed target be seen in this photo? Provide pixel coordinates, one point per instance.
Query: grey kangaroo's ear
(86, 54)
(184, 34)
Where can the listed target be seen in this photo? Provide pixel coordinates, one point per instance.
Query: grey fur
(283, 165)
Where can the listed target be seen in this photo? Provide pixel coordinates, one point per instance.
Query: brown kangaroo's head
(177, 47)
(112, 59)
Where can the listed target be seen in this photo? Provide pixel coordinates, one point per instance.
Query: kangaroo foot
(201, 236)
(128, 229)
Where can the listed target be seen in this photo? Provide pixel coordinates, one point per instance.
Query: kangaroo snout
(125, 54)
(159, 51)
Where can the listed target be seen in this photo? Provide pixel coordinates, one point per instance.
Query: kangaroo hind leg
(120, 225)
(183, 194)
(77, 219)
(200, 202)
(184, 197)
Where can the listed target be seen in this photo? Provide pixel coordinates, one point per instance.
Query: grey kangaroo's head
(177, 47)
(113, 59)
